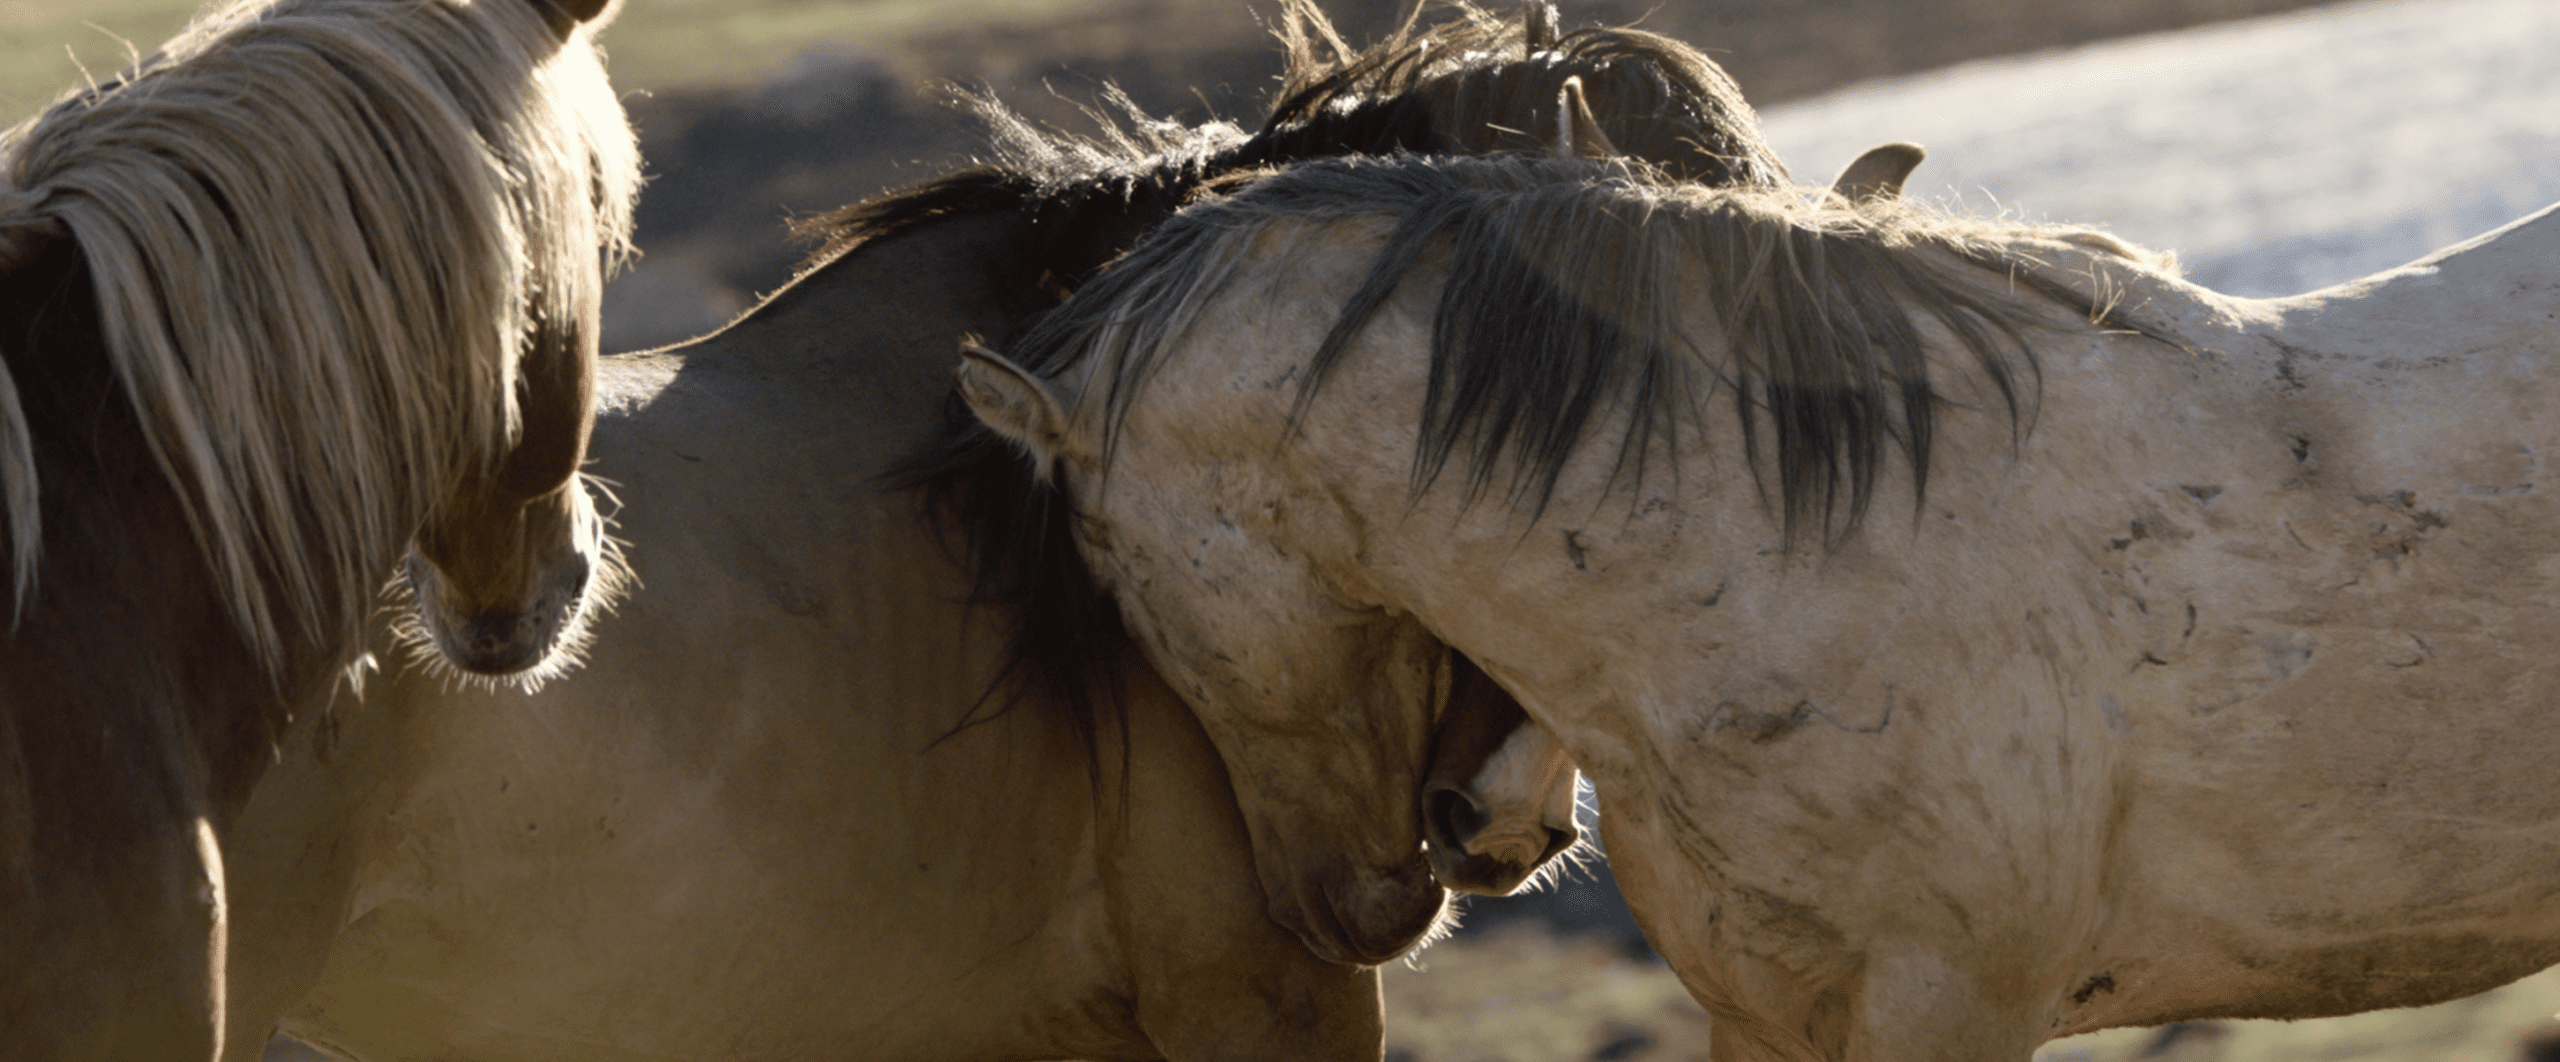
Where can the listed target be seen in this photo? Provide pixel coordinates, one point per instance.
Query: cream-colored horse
(2192, 664)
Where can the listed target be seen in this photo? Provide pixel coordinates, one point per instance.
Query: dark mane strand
(1473, 84)
(1562, 306)
(1479, 77)
(1555, 310)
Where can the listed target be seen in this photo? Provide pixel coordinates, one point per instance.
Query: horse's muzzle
(1363, 918)
(1466, 859)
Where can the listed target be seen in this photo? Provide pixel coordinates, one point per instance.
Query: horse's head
(1348, 880)
(262, 303)
(1332, 809)
(1325, 762)
(506, 577)
(506, 581)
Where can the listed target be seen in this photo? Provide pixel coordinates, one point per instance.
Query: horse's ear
(1879, 173)
(1016, 405)
(565, 16)
(1578, 134)
(25, 240)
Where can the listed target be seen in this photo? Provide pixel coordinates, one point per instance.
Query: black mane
(1561, 307)
(1473, 85)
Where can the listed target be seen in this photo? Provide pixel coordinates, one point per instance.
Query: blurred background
(752, 111)
(2278, 145)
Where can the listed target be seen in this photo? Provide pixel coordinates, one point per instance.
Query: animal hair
(319, 232)
(1490, 85)
(1475, 83)
(1566, 285)
(610, 580)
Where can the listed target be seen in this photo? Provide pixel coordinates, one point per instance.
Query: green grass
(655, 44)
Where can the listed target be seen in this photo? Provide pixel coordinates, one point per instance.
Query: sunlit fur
(1580, 856)
(609, 580)
(320, 230)
(1584, 264)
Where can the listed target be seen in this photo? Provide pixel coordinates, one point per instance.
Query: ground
(1518, 995)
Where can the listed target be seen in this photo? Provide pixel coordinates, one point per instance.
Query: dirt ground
(1519, 995)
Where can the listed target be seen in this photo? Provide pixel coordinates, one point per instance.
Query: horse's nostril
(491, 634)
(1452, 818)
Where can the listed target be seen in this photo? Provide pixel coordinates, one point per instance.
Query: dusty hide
(2195, 683)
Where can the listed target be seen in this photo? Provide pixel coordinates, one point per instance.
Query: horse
(861, 786)
(305, 281)
(1975, 634)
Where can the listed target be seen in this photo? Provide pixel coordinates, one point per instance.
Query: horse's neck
(2488, 294)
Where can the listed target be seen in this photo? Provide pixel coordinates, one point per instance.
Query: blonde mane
(1586, 266)
(319, 232)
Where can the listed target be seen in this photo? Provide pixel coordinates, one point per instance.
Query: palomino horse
(2195, 675)
(264, 303)
(754, 826)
